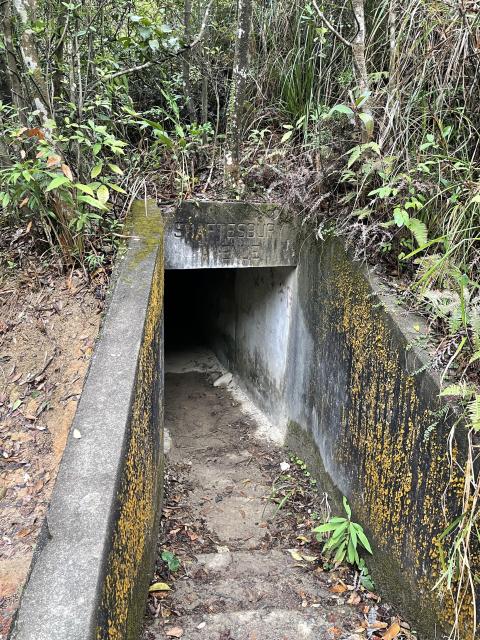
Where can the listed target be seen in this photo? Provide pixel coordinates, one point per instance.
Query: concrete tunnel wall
(320, 350)
(249, 330)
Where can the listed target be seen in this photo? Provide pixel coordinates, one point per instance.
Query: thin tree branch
(123, 72)
(330, 26)
(203, 26)
(62, 37)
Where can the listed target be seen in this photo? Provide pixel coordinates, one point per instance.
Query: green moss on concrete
(145, 223)
(374, 405)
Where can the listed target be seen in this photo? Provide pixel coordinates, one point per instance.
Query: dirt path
(237, 579)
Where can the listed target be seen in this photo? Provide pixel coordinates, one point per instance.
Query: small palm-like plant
(345, 540)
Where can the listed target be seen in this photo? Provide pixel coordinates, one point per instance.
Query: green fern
(474, 412)
(419, 231)
(461, 390)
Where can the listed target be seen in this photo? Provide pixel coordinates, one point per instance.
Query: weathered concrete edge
(356, 369)
(81, 586)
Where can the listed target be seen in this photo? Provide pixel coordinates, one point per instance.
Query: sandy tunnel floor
(248, 570)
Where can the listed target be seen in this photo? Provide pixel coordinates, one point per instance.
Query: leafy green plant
(346, 539)
(39, 186)
(172, 141)
(171, 560)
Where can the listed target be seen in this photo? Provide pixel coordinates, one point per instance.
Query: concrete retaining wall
(325, 351)
(90, 576)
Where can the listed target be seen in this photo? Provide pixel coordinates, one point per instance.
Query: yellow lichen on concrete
(138, 498)
(385, 432)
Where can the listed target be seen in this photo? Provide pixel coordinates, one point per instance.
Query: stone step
(243, 563)
(243, 530)
(257, 624)
(235, 581)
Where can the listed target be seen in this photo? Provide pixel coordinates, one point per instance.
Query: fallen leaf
(378, 625)
(392, 632)
(53, 160)
(38, 486)
(303, 539)
(174, 632)
(67, 172)
(295, 554)
(353, 599)
(309, 558)
(159, 586)
(338, 588)
(35, 132)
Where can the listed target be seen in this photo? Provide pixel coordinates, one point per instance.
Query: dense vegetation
(363, 116)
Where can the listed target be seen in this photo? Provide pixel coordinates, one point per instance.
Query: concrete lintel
(214, 234)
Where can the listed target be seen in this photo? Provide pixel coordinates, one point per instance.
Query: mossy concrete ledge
(89, 578)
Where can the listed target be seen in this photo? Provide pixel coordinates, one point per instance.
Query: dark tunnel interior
(189, 295)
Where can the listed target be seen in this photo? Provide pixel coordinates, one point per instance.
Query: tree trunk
(392, 104)
(359, 61)
(58, 79)
(187, 86)
(25, 10)
(204, 93)
(204, 115)
(12, 72)
(237, 93)
(358, 47)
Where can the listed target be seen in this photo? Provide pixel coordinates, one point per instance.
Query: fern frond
(474, 412)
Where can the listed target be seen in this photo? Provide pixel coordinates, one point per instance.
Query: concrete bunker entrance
(314, 349)
(242, 315)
